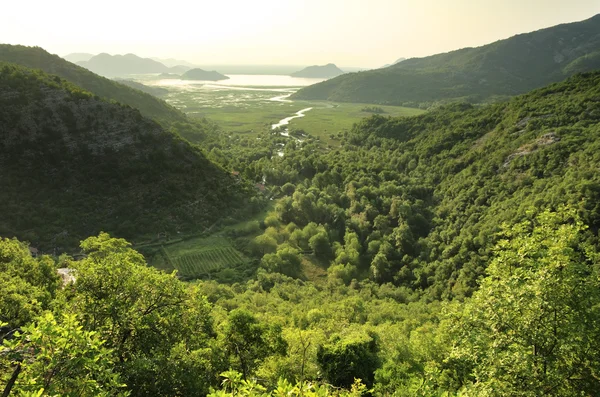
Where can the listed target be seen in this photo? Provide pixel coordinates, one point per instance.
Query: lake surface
(238, 81)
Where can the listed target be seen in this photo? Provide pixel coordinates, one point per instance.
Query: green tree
(28, 284)
(533, 328)
(60, 358)
(348, 357)
(248, 341)
(159, 328)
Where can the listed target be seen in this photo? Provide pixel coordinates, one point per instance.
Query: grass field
(329, 118)
(249, 110)
(257, 113)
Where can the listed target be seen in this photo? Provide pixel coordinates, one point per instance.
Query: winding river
(287, 120)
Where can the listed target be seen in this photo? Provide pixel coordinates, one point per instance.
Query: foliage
(28, 284)
(61, 358)
(349, 357)
(234, 385)
(249, 341)
(532, 328)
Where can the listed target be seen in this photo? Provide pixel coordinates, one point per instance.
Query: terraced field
(204, 262)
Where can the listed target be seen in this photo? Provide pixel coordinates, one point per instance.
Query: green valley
(430, 228)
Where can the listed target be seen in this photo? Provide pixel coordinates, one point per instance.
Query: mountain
(37, 58)
(78, 57)
(74, 164)
(169, 76)
(319, 72)
(390, 64)
(200, 74)
(171, 62)
(179, 69)
(122, 65)
(504, 68)
(152, 90)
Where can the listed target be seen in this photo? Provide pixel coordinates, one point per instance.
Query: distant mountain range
(78, 57)
(504, 68)
(123, 65)
(319, 72)
(199, 74)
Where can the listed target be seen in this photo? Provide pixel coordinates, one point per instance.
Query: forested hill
(470, 169)
(37, 58)
(504, 68)
(73, 164)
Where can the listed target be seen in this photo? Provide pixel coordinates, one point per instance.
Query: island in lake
(200, 74)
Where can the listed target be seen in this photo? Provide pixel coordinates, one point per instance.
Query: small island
(319, 72)
(199, 74)
(169, 76)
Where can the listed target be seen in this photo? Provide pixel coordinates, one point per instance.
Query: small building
(34, 251)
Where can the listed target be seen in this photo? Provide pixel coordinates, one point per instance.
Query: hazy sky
(367, 33)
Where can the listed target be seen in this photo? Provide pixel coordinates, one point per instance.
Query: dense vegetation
(122, 328)
(418, 201)
(73, 164)
(504, 68)
(454, 253)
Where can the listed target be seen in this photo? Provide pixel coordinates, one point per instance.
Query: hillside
(200, 74)
(504, 68)
(418, 201)
(73, 165)
(37, 58)
(152, 90)
(319, 72)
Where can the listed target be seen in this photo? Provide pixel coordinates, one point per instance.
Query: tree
(60, 358)
(348, 357)
(264, 244)
(533, 328)
(286, 260)
(248, 341)
(28, 284)
(320, 245)
(159, 327)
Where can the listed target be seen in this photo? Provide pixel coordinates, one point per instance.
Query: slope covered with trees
(73, 164)
(418, 201)
(504, 68)
(37, 58)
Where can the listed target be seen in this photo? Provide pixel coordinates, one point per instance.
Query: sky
(360, 33)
